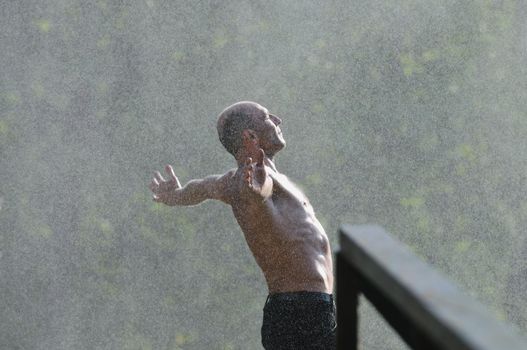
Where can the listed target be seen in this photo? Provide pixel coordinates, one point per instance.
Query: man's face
(270, 136)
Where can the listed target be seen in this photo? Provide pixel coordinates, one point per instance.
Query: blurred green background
(409, 114)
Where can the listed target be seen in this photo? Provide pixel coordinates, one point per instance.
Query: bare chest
(287, 195)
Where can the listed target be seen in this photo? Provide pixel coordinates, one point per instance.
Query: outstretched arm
(170, 192)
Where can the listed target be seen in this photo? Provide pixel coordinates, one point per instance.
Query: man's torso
(288, 242)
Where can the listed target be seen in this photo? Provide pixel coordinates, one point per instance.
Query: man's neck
(267, 161)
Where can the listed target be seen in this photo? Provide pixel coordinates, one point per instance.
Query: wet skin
(279, 224)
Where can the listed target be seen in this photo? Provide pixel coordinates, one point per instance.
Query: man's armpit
(219, 186)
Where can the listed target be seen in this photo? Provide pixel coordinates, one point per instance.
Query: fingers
(159, 198)
(158, 177)
(153, 185)
(172, 174)
(248, 171)
(170, 171)
(164, 189)
(260, 157)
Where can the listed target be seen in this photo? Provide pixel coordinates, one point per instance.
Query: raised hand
(164, 190)
(255, 177)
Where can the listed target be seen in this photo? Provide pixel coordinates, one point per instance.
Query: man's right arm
(199, 190)
(170, 192)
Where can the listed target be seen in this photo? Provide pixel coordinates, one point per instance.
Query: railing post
(347, 305)
(427, 310)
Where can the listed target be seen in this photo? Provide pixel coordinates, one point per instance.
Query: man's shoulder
(228, 176)
(223, 185)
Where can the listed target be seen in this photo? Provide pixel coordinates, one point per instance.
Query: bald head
(233, 120)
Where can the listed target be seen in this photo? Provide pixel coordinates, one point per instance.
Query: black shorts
(299, 320)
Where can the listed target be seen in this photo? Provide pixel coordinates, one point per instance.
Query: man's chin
(270, 153)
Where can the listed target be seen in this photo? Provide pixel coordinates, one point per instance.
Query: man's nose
(275, 119)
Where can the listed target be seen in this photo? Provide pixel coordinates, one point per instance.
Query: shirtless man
(287, 241)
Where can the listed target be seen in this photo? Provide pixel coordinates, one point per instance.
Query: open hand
(255, 176)
(164, 190)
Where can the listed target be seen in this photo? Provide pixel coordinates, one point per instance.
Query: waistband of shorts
(300, 296)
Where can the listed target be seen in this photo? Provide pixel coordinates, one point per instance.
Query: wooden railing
(424, 308)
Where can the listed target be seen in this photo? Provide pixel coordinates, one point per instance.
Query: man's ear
(249, 138)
